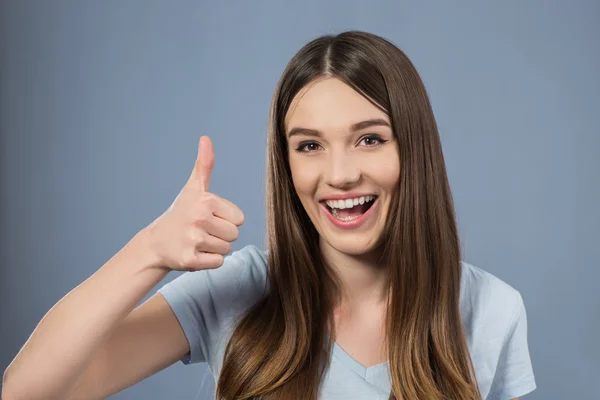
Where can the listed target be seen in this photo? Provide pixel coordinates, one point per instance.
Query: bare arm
(91, 344)
(147, 341)
(52, 362)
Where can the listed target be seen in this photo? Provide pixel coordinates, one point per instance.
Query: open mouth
(350, 209)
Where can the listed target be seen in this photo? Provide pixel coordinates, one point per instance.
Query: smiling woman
(363, 258)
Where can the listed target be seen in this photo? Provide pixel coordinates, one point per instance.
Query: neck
(362, 278)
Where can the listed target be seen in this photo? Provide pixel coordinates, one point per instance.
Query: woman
(361, 293)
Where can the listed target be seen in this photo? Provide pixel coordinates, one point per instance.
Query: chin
(352, 245)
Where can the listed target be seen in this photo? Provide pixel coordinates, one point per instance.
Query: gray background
(102, 105)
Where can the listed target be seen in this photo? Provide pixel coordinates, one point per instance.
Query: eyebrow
(353, 128)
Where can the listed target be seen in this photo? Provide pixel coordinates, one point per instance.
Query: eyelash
(301, 148)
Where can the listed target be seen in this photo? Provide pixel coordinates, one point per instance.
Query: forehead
(329, 103)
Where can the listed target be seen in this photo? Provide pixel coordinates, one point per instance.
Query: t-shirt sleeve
(514, 373)
(206, 301)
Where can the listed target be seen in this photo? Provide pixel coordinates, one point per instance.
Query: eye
(373, 140)
(307, 147)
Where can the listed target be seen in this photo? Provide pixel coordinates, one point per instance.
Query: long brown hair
(279, 349)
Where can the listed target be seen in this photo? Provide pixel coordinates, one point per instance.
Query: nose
(341, 171)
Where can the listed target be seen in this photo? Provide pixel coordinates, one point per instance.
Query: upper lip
(344, 196)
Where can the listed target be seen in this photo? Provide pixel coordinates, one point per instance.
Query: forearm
(53, 359)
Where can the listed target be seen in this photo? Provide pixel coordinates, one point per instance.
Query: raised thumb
(204, 164)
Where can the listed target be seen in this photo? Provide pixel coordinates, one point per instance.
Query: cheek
(386, 170)
(390, 175)
(304, 176)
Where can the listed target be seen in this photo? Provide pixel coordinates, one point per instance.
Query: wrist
(139, 248)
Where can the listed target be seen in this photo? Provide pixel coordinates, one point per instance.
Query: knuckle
(201, 220)
(200, 240)
(209, 200)
(188, 262)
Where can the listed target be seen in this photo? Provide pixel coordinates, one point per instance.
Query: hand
(196, 231)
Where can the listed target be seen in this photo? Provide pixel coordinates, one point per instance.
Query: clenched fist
(196, 231)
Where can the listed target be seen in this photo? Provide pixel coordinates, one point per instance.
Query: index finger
(228, 211)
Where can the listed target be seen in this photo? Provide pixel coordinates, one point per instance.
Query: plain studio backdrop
(102, 104)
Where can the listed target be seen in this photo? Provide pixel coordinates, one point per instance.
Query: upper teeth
(349, 203)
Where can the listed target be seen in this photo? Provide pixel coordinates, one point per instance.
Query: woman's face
(345, 163)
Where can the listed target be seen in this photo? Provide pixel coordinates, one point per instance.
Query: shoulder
(243, 276)
(254, 256)
(495, 323)
(475, 279)
(221, 293)
(208, 302)
(486, 301)
(250, 264)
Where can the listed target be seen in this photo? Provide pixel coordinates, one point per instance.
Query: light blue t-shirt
(209, 303)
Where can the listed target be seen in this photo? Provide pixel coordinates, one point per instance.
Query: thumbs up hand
(196, 231)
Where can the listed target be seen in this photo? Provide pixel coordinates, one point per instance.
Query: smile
(350, 212)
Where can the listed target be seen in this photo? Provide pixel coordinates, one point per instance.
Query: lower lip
(353, 224)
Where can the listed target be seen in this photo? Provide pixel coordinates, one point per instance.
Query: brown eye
(307, 147)
(373, 140)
